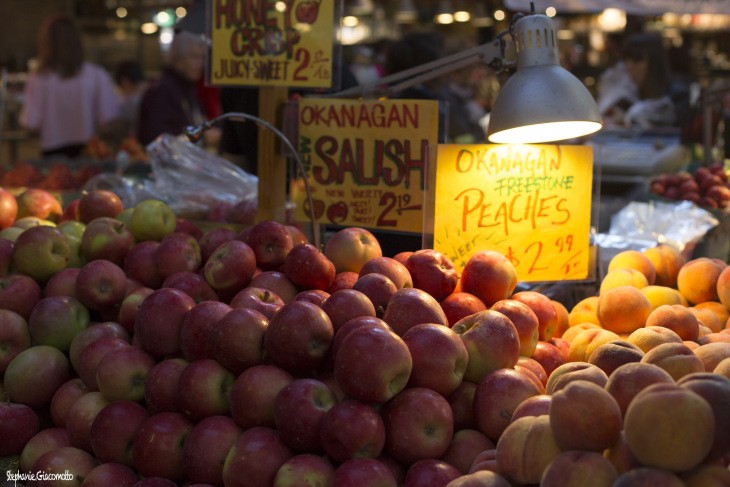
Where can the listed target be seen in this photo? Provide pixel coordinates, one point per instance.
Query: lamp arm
(195, 132)
(492, 53)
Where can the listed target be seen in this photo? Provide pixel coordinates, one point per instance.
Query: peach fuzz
(710, 337)
(576, 329)
(650, 336)
(634, 259)
(578, 469)
(563, 317)
(723, 287)
(697, 279)
(629, 379)
(621, 457)
(572, 371)
(677, 318)
(711, 354)
(525, 449)
(667, 261)
(659, 295)
(584, 311)
(623, 309)
(718, 308)
(691, 345)
(622, 277)
(707, 317)
(723, 368)
(648, 477)
(610, 356)
(583, 344)
(676, 358)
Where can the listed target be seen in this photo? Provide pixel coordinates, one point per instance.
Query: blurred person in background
(131, 84)
(67, 99)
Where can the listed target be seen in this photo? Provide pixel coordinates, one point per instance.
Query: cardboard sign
(274, 43)
(530, 203)
(366, 161)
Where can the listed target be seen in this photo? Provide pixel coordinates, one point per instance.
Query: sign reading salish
(272, 42)
(531, 203)
(366, 161)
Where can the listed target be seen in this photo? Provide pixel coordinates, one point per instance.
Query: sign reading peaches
(276, 43)
(530, 203)
(365, 161)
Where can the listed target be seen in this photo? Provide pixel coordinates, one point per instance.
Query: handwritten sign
(273, 43)
(366, 161)
(531, 203)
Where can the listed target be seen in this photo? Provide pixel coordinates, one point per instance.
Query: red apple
(439, 357)
(347, 304)
(277, 282)
(39, 203)
(203, 389)
(298, 411)
(465, 445)
(177, 252)
(459, 305)
(56, 320)
(403, 256)
(461, 402)
(122, 374)
(524, 319)
(18, 424)
(157, 449)
(6, 256)
(352, 429)
(111, 474)
(139, 264)
(14, 337)
(549, 356)
(255, 458)
(160, 390)
(113, 430)
(391, 268)
(238, 339)
(35, 374)
(98, 203)
(207, 447)
(41, 443)
(271, 242)
(372, 364)
(298, 337)
(195, 341)
(297, 235)
(159, 320)
(418, 425)
(364, 472)
(90, 357)
(230, 267)
(63, 464)
(39, 252)
(259, 299)
(490, 276)
(183, 225)
(193, 284)
(81, 416)
(346, 329)
(314, 469)
(64, 397)
(314, 296)
(378, 288)
(433, 272)
(349, 248)
(92, 333)
(19, 293)
(129, 306)
(106, 238)
(253, 394)
(101, 284)
(430, 472)
(547, 315)
(343, 280)
(409, 307)
(214, 238)
(308, 268)
(8, 208)
(63, 283)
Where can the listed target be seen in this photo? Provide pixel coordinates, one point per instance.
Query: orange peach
(723, 287)
(623, 309)
(629, 379)
(711, 354)
(584, 311)
(524, 319)
(650, 336)
(578, 469)
(525, 449)
(621, 456)
(691, 345)
(609, 356)
(543, 308)
(622, 277)
(676, 358)
(711, 337)
(533, 406)
(677, 318)
(586, 341)
(480, 478)
(707, 317)
(707, 476)
(634, 259)
(659, 295)
(697, 279)
(718, 308)
(648, 477)
(563, 317)
(715, 389)
(584, 416)
(568, 372)
(723, 368)
(577, 329)
(669, 427)
(667, 261)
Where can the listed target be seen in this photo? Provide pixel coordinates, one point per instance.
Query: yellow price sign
(366, 161)
(282, 43)
(531, 203)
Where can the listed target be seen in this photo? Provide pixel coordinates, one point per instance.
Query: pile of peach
(643, 397)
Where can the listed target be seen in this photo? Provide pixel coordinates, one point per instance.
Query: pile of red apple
(136, 349)
(707, 186)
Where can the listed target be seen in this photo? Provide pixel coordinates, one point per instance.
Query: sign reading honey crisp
(530, 203)
(366, 161)
(274, 43)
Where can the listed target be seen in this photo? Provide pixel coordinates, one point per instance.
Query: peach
(634, 259)
(723, 368)
(647, 477)
(622, 277)
(712, 337)
(723, 287)
(525, 449)
(715, 389)
(480, 478)
(711, 354)
(571, 371)
(650, 336)
(707, 476)
(621, 456)
(718, 308)
(707, 317)
(659, 295)
(584, 311)
(549, 356)
(586, 341)
(676, 358)
(524, 319)
(533, 406)
(691, 345)
(669, 427)
(629, 379)
(623, 309)
(576, 329)
(697, 279)
(485, 460)
(563, 317)
(489, 275)
(578, 469)
(609, 356)
(584, 416)
(543, 308)
(465, 445)
(667, 261)
(677, 318)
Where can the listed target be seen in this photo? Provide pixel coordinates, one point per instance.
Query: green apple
(40, 252)
(152, 220)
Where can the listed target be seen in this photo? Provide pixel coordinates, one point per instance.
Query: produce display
(138, 350)
(706, 186)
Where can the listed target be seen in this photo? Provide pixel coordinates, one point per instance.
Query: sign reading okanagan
(366, 161)
(530, 203)
(272, 42)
